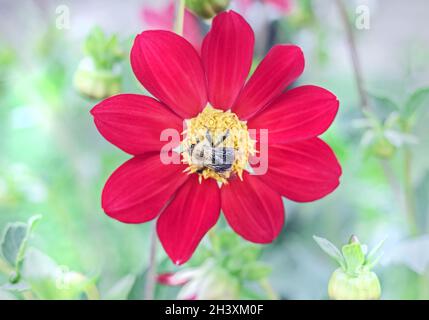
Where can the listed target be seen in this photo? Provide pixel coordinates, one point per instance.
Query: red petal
(227, 57)
(170, 279)
(252, 209)
(134, 122)
(302, 171)
(140, 188)
(298, 114)
(194, 211)
(166, 279)
(282, 65)
(169, 68)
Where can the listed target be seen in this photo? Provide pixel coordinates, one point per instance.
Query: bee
(208, 154)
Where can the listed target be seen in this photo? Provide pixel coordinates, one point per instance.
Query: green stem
(409, 193)
(424, 288)
(180, 17)
(354, 56)
(392, 179)
(149, 289)
(411, 214)
(214, 244)
(92, 293)
(408, 185)
(269, 291)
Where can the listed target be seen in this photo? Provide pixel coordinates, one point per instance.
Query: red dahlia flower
(211, 93)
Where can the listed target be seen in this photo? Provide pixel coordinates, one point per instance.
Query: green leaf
(14, 243)
(330, 249)
(250, 253)
(392, 120)
(105, 51)
(256, 271)
(227, 240)
(383, 101)
(48, 280)
(12, 239)
(398, 139)
(121, 289)
(31, 224)
(354, 256)
(418, 99)
(373, 255)
(382, 105)
(412, 253)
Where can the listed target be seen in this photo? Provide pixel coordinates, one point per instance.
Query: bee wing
(222, 159)
(224, 155)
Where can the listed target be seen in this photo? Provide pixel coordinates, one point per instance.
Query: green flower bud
(220, 285)
(354, 280)
(97, 83)
(383, 148)
(364, 286)
(99, 73)
(207, 8)
(208, 282)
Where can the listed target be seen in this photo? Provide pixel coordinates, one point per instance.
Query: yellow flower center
(216, 145)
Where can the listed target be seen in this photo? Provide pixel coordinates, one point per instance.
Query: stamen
(212, 135)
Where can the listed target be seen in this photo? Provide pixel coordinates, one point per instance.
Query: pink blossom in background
(284, 6)
(163, 18)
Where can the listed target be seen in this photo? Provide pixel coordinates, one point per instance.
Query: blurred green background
(54, 163)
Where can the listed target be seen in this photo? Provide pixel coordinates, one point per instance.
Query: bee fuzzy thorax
(216, 145)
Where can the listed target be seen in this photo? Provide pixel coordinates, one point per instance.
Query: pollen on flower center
(216, 145)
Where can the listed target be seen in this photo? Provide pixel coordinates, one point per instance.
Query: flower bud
(219, 285)
(364, 286)
(206, 282)
(207, 8)
(98, 75)
(354, 280)
(97, 83)
(383, 148)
